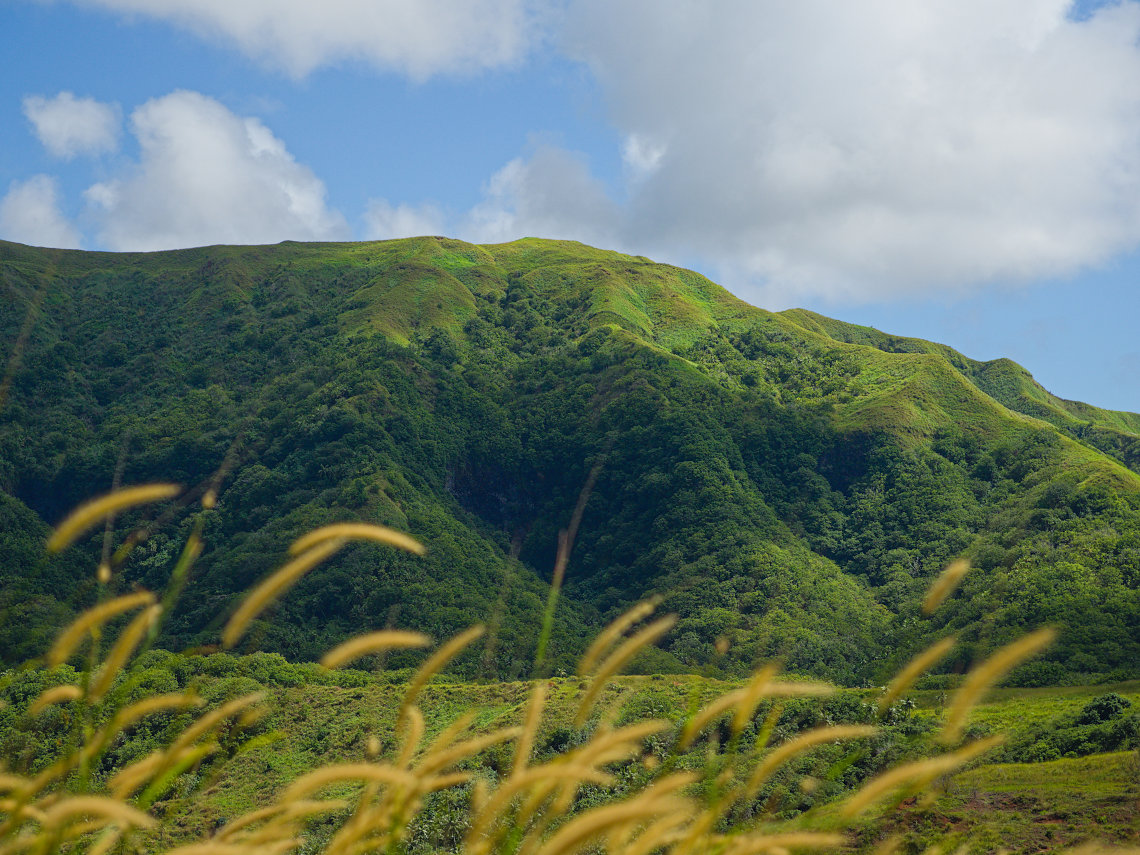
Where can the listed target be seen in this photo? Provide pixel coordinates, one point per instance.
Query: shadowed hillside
(788, 483)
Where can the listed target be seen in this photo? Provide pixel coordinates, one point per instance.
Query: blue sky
(966, 172)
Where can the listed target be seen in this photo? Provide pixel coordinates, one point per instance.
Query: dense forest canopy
(789, 484)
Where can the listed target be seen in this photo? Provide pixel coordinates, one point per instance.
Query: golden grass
(83, 806)
(609, 636)
(97, 510)
(356, 531)
(316, 781)
(988, 673)
(128, 640)
(529, 809)
(438, 661)
(742, 703)
(920, 773)
(944, 585)
(274, 586)
(624, 652)
(293, 810)
(648, 805)
(310, 550)
(804, 742)
(529, 728)
(56, 695)
(373, 642)
(91, 619)
(915, 669)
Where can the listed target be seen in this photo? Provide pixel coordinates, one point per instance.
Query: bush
(1103, 708)
(1034, 675)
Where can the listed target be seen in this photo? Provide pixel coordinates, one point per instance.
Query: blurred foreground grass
(1019, 807)
(111, 746)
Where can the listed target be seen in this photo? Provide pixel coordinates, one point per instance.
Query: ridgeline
(789, 484)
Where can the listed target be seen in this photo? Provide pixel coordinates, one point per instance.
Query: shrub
(1103, 708)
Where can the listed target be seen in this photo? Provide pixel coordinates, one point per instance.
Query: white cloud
(857, 149)
(416, 37)
(29, 213)
(550, 194)
(642, 155)
(206, 175)
(68, 126)
(383, 221)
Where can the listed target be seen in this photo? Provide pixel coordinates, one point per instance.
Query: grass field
(1015, 710)
(990, 807)
(1040, 807)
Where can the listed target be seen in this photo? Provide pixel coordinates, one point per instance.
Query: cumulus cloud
(854, 149)
(549, 194)
(416, 37)
(206, 175)
(857, 150)
(384, 221)
(68, 126)
(29, 213)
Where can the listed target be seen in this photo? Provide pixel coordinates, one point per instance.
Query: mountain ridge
(788, 482)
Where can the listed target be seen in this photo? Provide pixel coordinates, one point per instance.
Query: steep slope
(1114, 432)
(789, 484)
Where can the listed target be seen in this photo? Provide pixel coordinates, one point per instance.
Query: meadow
(113, 745)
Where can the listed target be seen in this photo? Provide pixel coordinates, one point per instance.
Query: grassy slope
(383, 380)
(1015, 807)
(1047, 806)
(424, 283)
(1000, 379)
(911, 387)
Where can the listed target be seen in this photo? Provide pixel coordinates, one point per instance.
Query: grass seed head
(110, 809)
(988, 673)
(373, 642)
(131, 637)
(439, 660)
(624, 652)
(276, 585)
(357, 531)
(609, 636)
(55, 695)
(94, 617)
(914, 669)
(93, 512)
(944, 585)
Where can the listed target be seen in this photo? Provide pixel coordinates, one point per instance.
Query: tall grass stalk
(372, 805)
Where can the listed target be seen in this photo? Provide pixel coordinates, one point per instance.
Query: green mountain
(789, 484)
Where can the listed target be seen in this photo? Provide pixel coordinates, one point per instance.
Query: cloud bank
(385, 221)
(549, 194)
(855, 150)
(851, 150)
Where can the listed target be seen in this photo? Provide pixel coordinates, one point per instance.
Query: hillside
(1110, 431)
(788, 483)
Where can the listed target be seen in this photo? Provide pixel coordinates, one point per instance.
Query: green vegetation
(788, 484)
(110, 745)
(315, 718)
